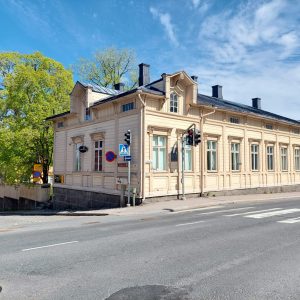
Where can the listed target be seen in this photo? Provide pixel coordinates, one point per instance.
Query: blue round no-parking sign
(110, 156)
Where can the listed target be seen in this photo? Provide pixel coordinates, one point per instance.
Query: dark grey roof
(238, 107)
(100, 89)
(58, 115)
(147, 89)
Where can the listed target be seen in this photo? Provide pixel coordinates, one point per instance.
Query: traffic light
(128, 137)
(190, 137)
(197, 137)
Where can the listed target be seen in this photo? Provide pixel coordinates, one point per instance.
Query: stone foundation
(84, 200)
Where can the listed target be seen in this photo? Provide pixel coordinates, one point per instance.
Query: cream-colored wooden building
(243, 147)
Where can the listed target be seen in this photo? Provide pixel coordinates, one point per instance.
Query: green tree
(32, 88)
(109, 67)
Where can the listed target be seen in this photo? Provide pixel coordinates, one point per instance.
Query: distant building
(242, 146)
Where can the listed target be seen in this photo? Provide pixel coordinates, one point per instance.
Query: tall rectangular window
(254, 157)
(297, 159)
(235, 156)
(174, 103)
(188, 158)
(211, 155)
(270, 158)
(284, 159)
(78, 159)
(98, 156)
(159, 147)
(88, 116)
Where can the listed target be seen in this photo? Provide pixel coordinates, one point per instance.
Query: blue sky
(251, 48)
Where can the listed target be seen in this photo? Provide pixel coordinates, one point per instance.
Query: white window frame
(78, 158)
(254, 157)
(188, 158)
(211, 157)
(297, 159)
(235, 156)
(98, 153)
(157, 164)
(173, 102)
(284, 158)
(270, 157)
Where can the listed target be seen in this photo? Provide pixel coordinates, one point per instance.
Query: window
(60, 124)
(284, 161)
(88, 116)
(235, 157)
(188, 158)
(128, 106)
(98, 155)
(269, 126)
(270, 158)
(254, 157)
(211, 155)
(296, 131)
(159, 153)
(234, 120)
(297, 159)
(173, 103)
(78, 159)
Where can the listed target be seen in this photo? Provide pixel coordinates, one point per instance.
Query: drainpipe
(142, 149)
(203, 148)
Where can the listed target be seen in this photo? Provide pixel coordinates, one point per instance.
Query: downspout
(202, 148)
(142, 149)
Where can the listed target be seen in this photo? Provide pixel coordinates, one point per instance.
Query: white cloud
(165, 20)
(253, 51)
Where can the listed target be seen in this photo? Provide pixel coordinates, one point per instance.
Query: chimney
(119, 87)
(256, 103)
(217, 91)
(144, 76)
(194, 77)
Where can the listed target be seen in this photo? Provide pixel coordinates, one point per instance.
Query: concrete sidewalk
(165, 207)
(185, 205)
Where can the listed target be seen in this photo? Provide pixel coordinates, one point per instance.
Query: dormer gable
(182, 88)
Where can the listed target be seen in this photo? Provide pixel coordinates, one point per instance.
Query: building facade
(242, 147)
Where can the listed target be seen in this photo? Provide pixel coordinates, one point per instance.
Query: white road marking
(290, 221)
(253, 211)
(226, 210)
(184, 224)
(196, 209)
(273, 213)
(53, 245)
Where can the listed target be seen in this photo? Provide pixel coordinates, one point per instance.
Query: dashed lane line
(185, 224)
(48, 246)
(290, 221)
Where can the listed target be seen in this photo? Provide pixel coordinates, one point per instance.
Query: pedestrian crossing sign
(123, 150)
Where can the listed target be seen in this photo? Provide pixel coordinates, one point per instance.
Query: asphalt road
(231, 252)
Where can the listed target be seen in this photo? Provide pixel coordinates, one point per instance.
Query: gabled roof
(239, 107)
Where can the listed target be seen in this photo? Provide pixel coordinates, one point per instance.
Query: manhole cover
(150, 292)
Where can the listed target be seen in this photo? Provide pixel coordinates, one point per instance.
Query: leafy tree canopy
(109, 67)
(32, 88)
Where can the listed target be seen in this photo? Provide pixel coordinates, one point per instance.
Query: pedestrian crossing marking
(273, 213)
(226, 210)
(251, 212)
(290, 221)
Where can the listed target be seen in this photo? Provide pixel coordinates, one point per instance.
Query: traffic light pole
(183, 142)
(182, 166)
(129, 188)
